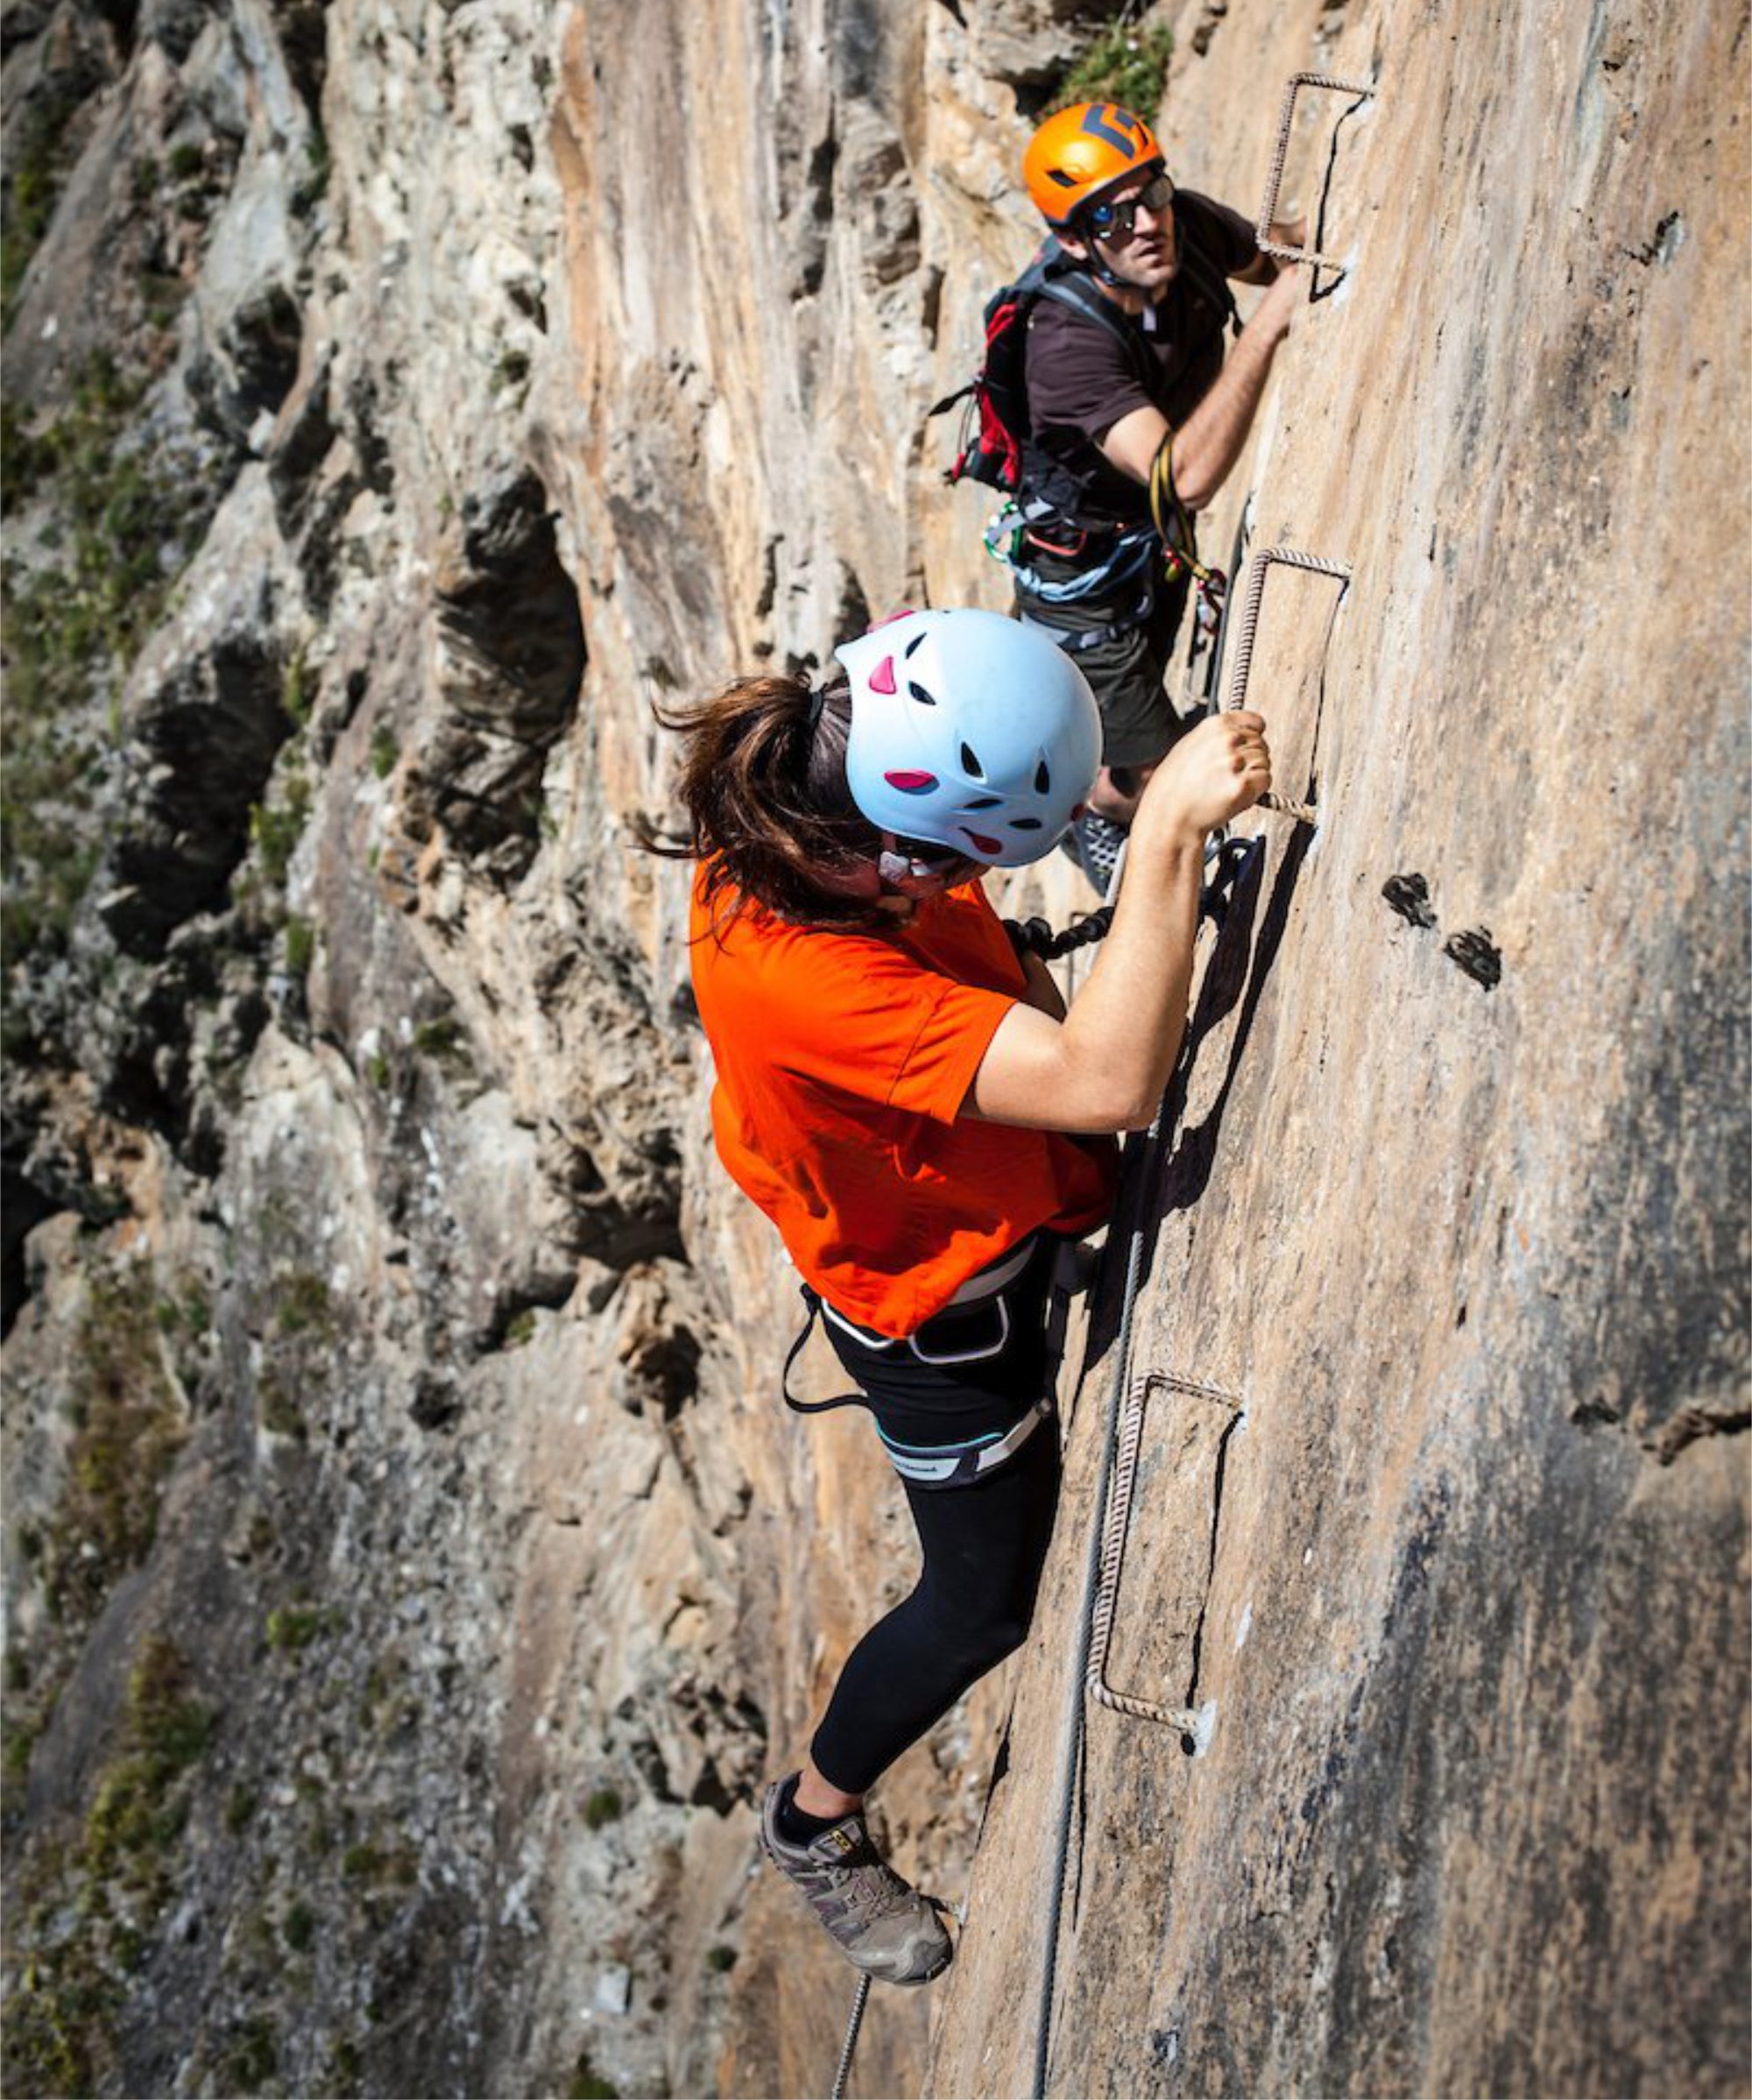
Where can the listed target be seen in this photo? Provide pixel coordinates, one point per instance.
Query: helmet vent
(1042, 779)
(912, 644)
(1026, 823)
(918, 694)
(982, 802)
(970, 759)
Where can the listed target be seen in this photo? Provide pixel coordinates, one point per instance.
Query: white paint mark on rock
(614, 1988)
(1246, 1626)
(1203, 1727)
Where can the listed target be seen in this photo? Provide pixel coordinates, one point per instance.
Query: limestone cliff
(409, 1572)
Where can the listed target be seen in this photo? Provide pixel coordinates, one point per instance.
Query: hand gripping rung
(1268, 209)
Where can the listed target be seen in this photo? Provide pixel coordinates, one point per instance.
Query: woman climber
(912, 1106)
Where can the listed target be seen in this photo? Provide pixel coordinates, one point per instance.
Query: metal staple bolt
(1292, 558)
(1115, 1524)
(1268, 209)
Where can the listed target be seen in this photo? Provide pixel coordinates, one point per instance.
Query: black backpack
(994, 423)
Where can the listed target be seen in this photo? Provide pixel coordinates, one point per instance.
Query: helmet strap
(902, 875)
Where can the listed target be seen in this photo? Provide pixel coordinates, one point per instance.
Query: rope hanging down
(1119, 1447)
(860, 1998)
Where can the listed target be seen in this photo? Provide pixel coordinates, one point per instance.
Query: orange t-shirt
(843, 1060)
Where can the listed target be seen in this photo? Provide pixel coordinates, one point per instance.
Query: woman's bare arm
(1104, 1065)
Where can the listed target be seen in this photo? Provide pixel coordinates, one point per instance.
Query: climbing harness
(1366, 91)
(956, 1465)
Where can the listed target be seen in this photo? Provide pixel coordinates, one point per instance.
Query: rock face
(410, 1574)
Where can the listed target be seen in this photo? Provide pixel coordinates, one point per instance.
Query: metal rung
(1268, 209)
(1115, 1523)
(1291, 557)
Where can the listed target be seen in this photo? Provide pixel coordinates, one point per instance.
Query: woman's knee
(978, 1644)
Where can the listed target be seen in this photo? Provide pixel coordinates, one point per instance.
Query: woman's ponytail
(762, 787)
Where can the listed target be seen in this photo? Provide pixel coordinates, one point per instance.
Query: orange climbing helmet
(1080, 151)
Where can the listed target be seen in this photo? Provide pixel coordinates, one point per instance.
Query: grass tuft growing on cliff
(128, 1428)
(110, 549)
(1127, 63)
(90, 1909)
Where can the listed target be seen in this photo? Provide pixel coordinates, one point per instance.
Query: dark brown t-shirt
(1082, 378)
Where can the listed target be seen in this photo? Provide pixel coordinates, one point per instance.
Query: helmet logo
(911, 783)
(882, 678)
(1112, 125)
(982, 843)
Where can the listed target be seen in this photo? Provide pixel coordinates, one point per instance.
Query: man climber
(1135, 419)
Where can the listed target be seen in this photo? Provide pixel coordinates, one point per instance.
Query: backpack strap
(1211, 280)
(1078, 293)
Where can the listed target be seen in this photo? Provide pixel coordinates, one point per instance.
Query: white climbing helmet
(969, 730)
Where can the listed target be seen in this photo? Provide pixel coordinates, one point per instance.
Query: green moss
(587, 2085)
(304, 1305)
(310, 190)
(129, 1428)
(292, 1628)
(445, 1039)
(276, 827)
(254, 2054)
(720, 1959)
(72, 625)
(296, 686)
(519, 1329)
(377, 1071)
(60, 2017)
(37, 166)
(298, 1928)
(300, 945)
(385, 751)
(1127, 63)
(281, 1416)
(186, 161)
(603, 1806)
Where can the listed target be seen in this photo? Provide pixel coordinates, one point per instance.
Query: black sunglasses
(1118, 219)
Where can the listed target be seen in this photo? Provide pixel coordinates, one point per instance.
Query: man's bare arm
(1208, 443)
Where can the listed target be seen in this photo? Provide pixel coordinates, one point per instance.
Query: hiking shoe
(878, 1924)
(1099, 843)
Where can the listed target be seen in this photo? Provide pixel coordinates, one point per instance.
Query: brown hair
(763, 787)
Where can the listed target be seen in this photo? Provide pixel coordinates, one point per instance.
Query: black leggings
(983, 1542)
